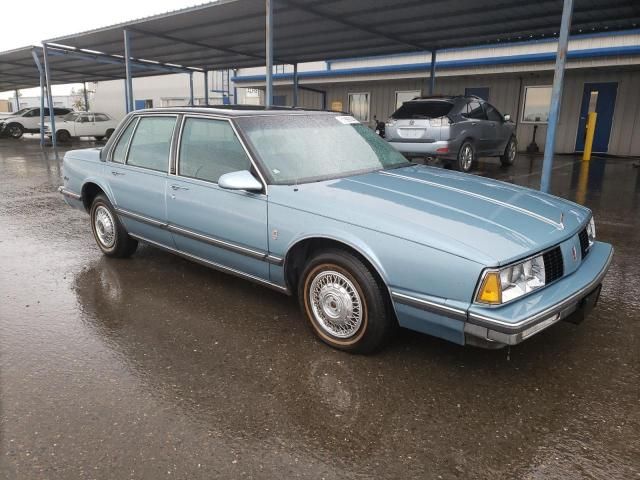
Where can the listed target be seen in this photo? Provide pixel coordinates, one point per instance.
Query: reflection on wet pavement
(155, 367)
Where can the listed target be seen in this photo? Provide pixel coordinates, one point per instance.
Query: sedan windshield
(71, 117)
(307, 148)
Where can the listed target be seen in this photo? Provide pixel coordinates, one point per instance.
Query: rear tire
(466, 157)
(110, 235)
(109, 133)
(508, 157)
(345, 305)
(63, 136)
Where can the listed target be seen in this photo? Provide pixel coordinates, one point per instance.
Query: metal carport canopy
(231, 33)
(18, 70)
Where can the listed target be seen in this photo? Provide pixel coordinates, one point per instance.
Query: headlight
(591, 231)
(506, 284)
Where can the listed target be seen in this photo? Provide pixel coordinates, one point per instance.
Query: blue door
(224, 227)
(601, 98)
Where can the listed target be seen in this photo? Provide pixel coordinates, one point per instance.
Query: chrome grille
(584, 242)
(553, 265)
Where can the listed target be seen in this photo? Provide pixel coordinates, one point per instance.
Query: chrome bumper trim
(543, 316)
(69, 193)
(433, 307)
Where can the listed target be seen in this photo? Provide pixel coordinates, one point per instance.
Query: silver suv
(456, 129)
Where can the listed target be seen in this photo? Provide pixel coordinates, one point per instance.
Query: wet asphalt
(155, 367)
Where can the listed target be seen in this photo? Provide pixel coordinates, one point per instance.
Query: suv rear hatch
(420, 121)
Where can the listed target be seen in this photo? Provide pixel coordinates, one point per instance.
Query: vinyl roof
(231, 33)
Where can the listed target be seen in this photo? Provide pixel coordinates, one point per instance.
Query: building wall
(506, 92)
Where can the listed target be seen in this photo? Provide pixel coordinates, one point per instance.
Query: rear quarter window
(410, 110)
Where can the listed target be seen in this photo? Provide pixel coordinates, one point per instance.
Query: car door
(137, 169)
(480, 129)
(225, 227)
(499, 132)
(84, 125)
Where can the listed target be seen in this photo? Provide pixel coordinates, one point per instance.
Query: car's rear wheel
(110, 235)
(15, 130)
(466, 157)
(63, 136)
(344, 303)
(510, 152)
(109, 133)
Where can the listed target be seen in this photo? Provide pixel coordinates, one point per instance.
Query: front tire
(110, 235)
(466, 157)
(15, 130)
(344, 304)
(510, 152)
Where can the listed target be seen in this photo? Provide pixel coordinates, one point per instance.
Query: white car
(83, 124)
(27, 120)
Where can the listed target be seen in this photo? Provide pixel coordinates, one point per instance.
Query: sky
(22, 26)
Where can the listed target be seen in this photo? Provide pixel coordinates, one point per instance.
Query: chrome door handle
(178, 187)
(113, 172)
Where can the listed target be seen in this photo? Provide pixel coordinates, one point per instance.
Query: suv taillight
(439, 122)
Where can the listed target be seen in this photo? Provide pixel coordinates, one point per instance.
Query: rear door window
(209, 149)
(151, 143)
(413, 110)
(475, 111)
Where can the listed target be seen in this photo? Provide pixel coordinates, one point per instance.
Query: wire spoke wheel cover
(104, 226)
(336, 304)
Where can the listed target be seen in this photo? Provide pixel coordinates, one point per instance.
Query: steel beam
(86, 97)
(191, 89)
(47, 74)
(206, 88)
(268, 94)
(17, 94)
(127, 69)
(432, 73)
(36, 59)
(556, 96)
(295, 84)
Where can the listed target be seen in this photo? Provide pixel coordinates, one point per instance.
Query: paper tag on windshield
(347, 119)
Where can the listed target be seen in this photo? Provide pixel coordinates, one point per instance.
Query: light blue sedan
(315, 204)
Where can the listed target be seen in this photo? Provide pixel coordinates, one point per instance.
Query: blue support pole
(126, 96)
(235, 89)
(432, 73)
(86, 97)
(47, 74)
(295, 84)
(127, 69)
(206, 88)
(268, 94)
(36, 59)
(556, 96)
(17, 94)
(191, 89)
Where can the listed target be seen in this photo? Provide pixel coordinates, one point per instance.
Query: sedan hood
(484, 220)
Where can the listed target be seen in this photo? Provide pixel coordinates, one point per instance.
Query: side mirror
(507, 118)
(241, 180)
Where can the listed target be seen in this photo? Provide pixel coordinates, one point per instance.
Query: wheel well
(302, 251)
(89, 192)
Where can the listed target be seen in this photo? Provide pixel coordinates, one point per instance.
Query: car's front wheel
(15, 130)
(510, 152)
(346, 306)
(110, 235)
(466, 157)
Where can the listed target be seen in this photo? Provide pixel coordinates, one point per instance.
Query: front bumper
(570, 298)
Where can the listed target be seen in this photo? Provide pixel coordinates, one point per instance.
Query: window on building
(405, 96)
(536, 104)
(151, 143)
(482, 92)
(359, 106)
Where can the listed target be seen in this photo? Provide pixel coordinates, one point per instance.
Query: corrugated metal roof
(230, 33)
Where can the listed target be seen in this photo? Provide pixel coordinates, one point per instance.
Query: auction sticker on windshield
(347, 119)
